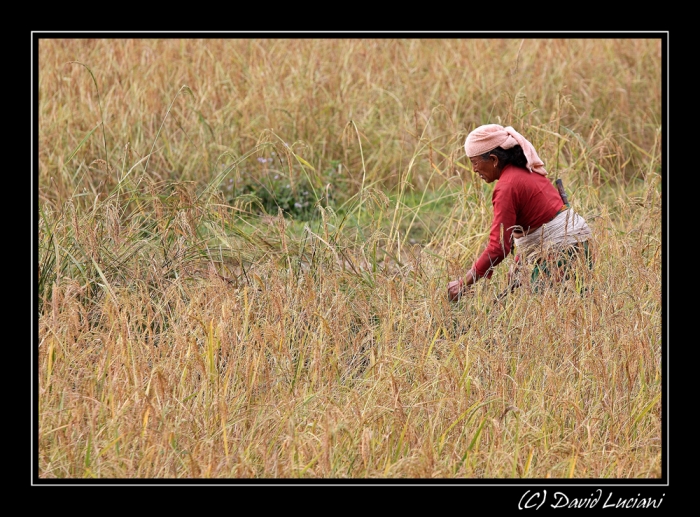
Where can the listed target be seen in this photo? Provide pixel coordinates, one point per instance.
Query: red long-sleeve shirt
(521, 198)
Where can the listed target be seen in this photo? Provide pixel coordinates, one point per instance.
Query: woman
(527, 208)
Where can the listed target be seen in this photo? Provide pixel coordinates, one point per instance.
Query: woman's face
(486, 168)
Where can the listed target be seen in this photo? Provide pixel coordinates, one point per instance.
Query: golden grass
(182, 334)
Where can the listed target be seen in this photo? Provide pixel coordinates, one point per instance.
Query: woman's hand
(458, 288)
(455, 289)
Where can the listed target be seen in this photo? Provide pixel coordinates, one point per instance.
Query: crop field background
(243, 247)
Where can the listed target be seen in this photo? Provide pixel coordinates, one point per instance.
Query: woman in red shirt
(527, 210)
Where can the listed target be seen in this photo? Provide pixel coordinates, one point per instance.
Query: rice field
(243, 248)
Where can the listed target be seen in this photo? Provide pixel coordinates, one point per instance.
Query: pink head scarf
(488, 137)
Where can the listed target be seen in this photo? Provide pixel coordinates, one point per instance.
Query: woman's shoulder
(519, 176)
(512, 176)
(514, 171)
